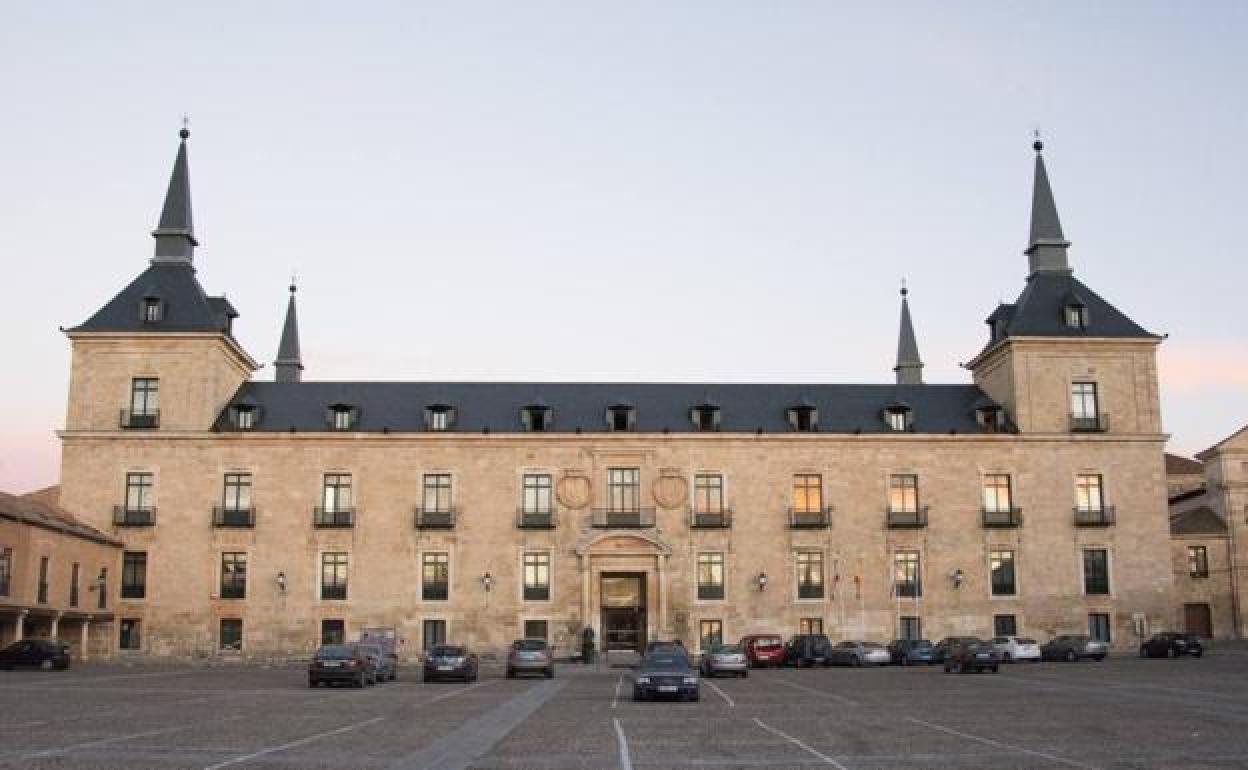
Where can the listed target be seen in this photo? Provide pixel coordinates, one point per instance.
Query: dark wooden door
(1198, 620)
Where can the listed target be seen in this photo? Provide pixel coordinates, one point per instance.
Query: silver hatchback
(725, 659)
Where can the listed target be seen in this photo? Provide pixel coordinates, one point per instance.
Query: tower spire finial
(175, 235)
(289, 363)
(1046, 248)
(909, 367)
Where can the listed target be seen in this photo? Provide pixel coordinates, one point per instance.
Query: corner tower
(1060, 358)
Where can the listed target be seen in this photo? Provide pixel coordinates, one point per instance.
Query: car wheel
(638, 695)
(994, 669)
(359, 681)
(550, 673)
(511, 673)
(1198, 653)
(1071, 656)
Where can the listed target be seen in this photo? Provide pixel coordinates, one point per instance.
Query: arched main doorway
(624, 588)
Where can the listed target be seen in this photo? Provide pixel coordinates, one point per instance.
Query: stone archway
(620, 558)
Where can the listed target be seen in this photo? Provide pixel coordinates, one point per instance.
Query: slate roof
(1197, 521)
(186, 306)
(30, 509)
(1177, 465)
(745, 408)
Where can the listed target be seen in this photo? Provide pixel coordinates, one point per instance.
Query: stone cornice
(248, 362)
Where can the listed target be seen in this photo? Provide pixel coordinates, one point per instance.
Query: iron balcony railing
(333, 590)
(820, 518)
(233, 517)
(607, 518)
(133, 517)
(1097, 423)
(1002, 518)
(535, 519)
(436, 519)
(721, 519)
(1094, 517)
(333, 518)
(147, 419)
(916, 519)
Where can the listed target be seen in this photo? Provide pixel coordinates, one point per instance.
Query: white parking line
(114, 739)
(293, 744)
(826, 759)
(615, 701)
(813, 691)
(722, 694)
(1000, 745)
(626, 762)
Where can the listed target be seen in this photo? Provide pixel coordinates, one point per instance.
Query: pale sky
(660, 191)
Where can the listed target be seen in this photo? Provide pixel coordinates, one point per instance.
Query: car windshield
(725, 649)
(773, 641)
(873, 645)
(529, 645)
(847, 645)
(1021, 640)
(921, 644)
(446, 652)
(336, 652)
(668, 662)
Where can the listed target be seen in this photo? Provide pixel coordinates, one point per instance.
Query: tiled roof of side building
(185, 307)
(1180, 465)
(34, 510)
(1198, 521)
(744, 408)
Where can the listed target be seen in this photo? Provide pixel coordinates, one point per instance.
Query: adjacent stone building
(269, 516)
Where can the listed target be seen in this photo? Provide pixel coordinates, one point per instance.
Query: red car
(763, 650)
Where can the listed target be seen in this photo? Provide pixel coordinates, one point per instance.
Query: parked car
(725, 659)
(1172, 644)
(941, 650)
(853, 653)
(967, 654)
(46, 654)
(808, 650)
(763, 650)
(387, 638)
(1017, 648)
(345, 663)
(1072, 647)
(447, 661)
(907, 651)
(530, 656)
(385, 667)
(665, 675)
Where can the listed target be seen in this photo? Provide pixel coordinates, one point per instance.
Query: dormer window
(342, 417)
(153, 309)
(1076, 316)
(705, 417)
(537, 418)
(439, 417)
(804, 418)
(621, 417)
(991, 418)
(245, 416)
(899, 417)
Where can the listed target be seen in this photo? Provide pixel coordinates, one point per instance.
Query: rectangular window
(624, 490)
(435, 577)
(432, 634)
(144, 397)
(708, 493)
(333, 576)
(537, 493)
(336, 493)
(134, 575)
(6, 571)
(1088, 492)
(710, 576)
(438, 419)
(807, 493)
(903, 493)
(809, 575)
(74, 575)
(437, 493)
(906, 579)
(810, 626)
(43, 580)
(237, 493)
(1004, 625)
(910, 627)
(536, 576)
(1095, 571)
(1197, 561)
(710, 634)
(333, 631)
(102, 588)
(234, 575)
(138, 492)
(997, 497)
(131, 634)
(231, 634)
(1002, 563)
(1083, 400)
(536, 629)
(151, 309)
(1098, 627)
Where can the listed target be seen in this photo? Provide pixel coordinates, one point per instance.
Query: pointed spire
(289, 364)
(1046, 248)
(175, 235)
(909, 368)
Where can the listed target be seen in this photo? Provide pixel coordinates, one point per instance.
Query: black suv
(1172, 644)
(808, 650)
(966, 654)
(36, 653)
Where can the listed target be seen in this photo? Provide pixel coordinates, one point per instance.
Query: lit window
(997, 497)
(1083, 404)
(1088, 492)
(903, 493)
(807, 493)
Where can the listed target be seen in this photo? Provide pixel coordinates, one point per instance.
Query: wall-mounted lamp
(761, 580)
(956, 577)
(487, 581)
(281, 582)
